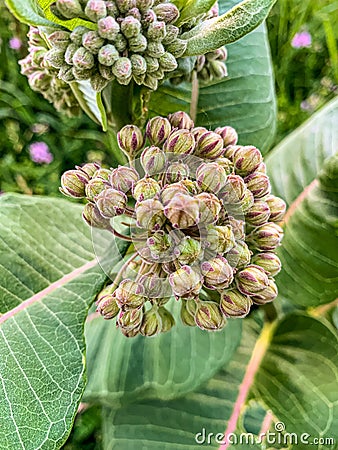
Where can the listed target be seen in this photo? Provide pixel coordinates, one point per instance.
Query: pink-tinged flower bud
(209, 145)
(226, 164)
(235, 304)
(252, 280)
(217, 273)
(125, 5)
(59, 39)
(89, 169)
(149, 214)
(111, 203)
(167, 318)
(180, 142)
(188, 250)
(122, 69)
(156, 30)
(172, 33)
(238, 227)
(69, 8)
(185, 282)
(167, 12)
(266, 237)
(54, 58)
(161, 246)
(176, 171)
(130, 26)
(230, 151)
(239, 256)
(70, 52)
(145, 189)
(269, 261)
(108, 55)
(130, 322)
(123, 178)
(139, 64)
(130, 295)
(277, 208)
(169, 192)
(211, 177)
(154, 288)
(108, 307)
(177, 47)
(198, 131)
(77, 33)
(233, 191)
(92, 41)
(182, 211)
(217, 69)
(73, 183)
(108, 28)
(208, 316)
(144, 5)
(181, 120)
(258, 214)
(220, 239)
(168, 62)
(259, 184)
(96, 10)
(228, 134)
(94, 187)
(93, 217)
(138, 43)
(267, 295)
(247, 201)
(153, 160)
(130, 139)
(158, 129)
(261, 168)
(191, 186)
(246, 160)
(210, 207)
(83, 59)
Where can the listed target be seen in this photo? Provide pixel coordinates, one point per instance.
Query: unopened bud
(252, 280)
(111, 203)
(267, 295)
(149, 214)
(168, 320)
(54, 58)
(277, 208)
(108, 55)
(171, 34)
(233, 190)
(210, 207)
(120, 42)
(108, 307)
(187, 317)
(59, 39)
(167, 12)
(176, 171)
(169, 192)
(122, 69)
(235, 304)
(211, 177)
(182, 211)
(138, 43)
(180, 142)
(247, 201)
(226, 164)
(220, 239)
(92, 41)
(130, 26)
(73, 183)
(266, 237)
(153, 160)
(168, 62)
(96, 10)
(185, 282)
(258, 214)
(228, 134)
(130, 321)
(125, 5)
(76, 35)
(152, 322)
(145, 188)
(269, 261)
(93, 217)
(239, 256)
(218, 69)
(158, 129)
(246, 160)
(144, 5)
(94, 187)
(230, 151)
(209, 145)
(156, 30)
(69, 8)
(177, 47)
(130, 294)
(108, 28)
(188, 250)
(161, 246)
(217, 273)
(258, 183)
(124, 178)
(138, 64)
(89, 169)
(130, 139)
(83, 59)
(181, 120)
(208, 316)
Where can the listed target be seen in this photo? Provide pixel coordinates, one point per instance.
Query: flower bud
(130, 26)
(97, 82)
(208, 316)
(188, 250)
(130, 321)
(258, 214)
(217, 273)
(211, 177)
(181, 120)
(96, 10)
(149, 214)
(111, 203)
(210, 207)
(144, 5)
(233, 190)
(122, 69)
(228, 134)
(81, 74)
(169, 192)
(156, 50)
(130, 295)
(70, 52)
(130, 139)
(239, 256)
(92, 216)
(176, 171)
(171, 34)
(59, 39)
(69, 8)
(247, 201)
(161, 246)
(145, 188)
(235, 304)
(252, 280)
(120, 42)
(108, 55)
(187, 317)
(153, 65)
(92, 41)
(185, 282)
(156, 30)
(217, 69)
(238, 227)
(138, 64)
(83, 59)
(154, 288)
(267, 295)
(54, 58)
(246, 160)
(94, 187)
(220, 239)
(123, 178)
(269, 261)
(108, 28)
(168, 320)
(266, 237)
(180, 142)
(167, 12)
(107, 307)
(209, 145)
(259, 184)
(76, 35)
(226, 164)
(152, 322)
(90, 169)
(230, 151)
(158, 129)
(168, 62)
(73, 183)
(66, 74)
(277, 208)
(182, 211)
(153, 160)
(177, 47)
(138, 43)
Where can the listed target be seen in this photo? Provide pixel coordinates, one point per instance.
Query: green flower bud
(277, 208)
(238, 227)
(233, 190)
(267, 295)
(151, 82)
(144, 5)
(148, 17)
(246, 160)
(76, 35)
(130, 138)
(153, 65)
(177, 47)
(145, 189)
(168, 62)
(66, 74)
(153, 288)
(217, 273)
(258, 214)
(161, 246)
(156, 50)
(226, 164)
(69, 8)
(108, 55)
(182, 211)
(180, 142)
(120, 42)
(217, 69)
(209, 145)
(125, 5)
(171, 34)
(220, 238)
(73, 183)
(107, 307)
(90, 169)
(188, 250)
(169, 192)
(269, 261)
(252, 280)
(92, 216)
(130, 26)
(123, 178)
(108, 28)
(259, 184)
(112, 9)
(149, 214)
(228, 134)
(95, 10)
(122, 71)
(247, 201)
(130, 322)
(83, 59)
(138, 64)
(208, 316)
(167, 12)
(59, 39)
(185, 282)
(156, 30)
(266, 237)
(97, 82)
(92, 41)
(152, 322)
(102, 173)
(54, 58)
(81, 74)
(210, 207)
(186, 317)
(181, 120)
(211, 177)
(138, 44)
(70, 52)
(239, 256)
(168, 320)
(230, 151)
(111, 203)
(235, 304)
(176, 171)
(153, 160)
(94, 187)
(130, 295)
(158, 129)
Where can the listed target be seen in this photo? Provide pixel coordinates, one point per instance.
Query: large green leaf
(28, 11)
(49, 277)
(90, 101)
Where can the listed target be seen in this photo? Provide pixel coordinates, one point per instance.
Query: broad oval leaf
(29, 12)
(90, 101)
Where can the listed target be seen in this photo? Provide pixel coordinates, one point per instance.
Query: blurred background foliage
(306, 78)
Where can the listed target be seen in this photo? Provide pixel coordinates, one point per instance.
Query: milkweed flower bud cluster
(43, 78)
(204, 226)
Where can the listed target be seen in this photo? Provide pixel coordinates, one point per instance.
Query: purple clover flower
(40, 154)
(15, 43)
(301, 40)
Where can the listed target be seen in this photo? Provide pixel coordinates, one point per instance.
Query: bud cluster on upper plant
(203, 222)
